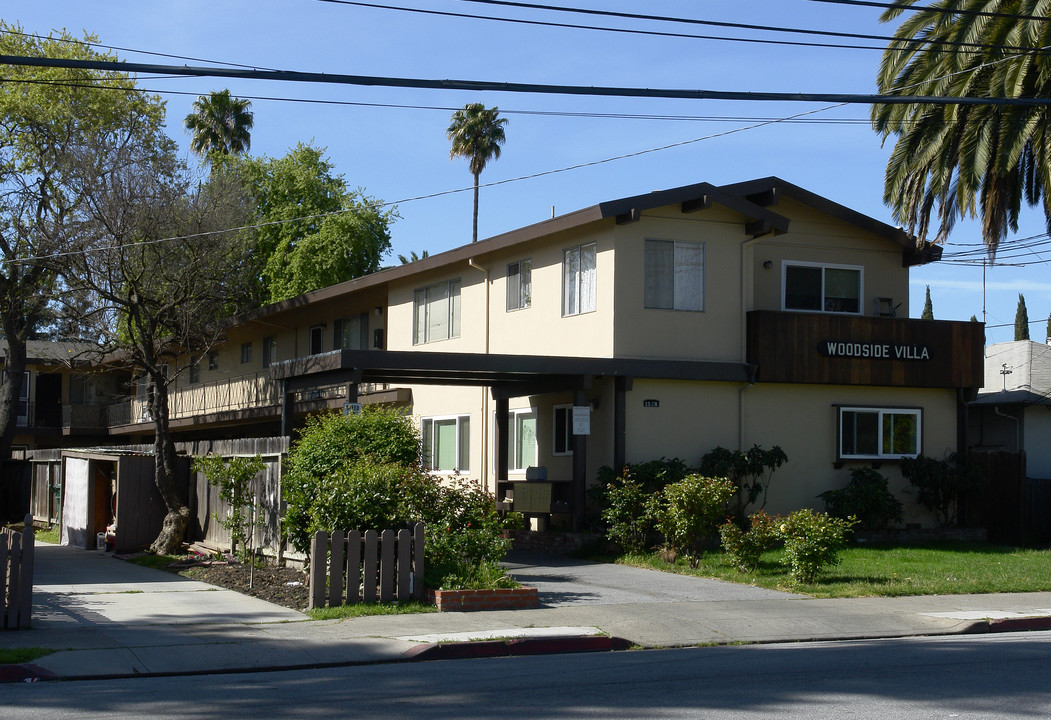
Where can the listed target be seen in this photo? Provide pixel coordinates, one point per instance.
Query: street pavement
(109, 618)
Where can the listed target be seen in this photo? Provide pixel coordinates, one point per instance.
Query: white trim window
(351, 333)
(579, 279)
(562, 430)
(815, 287)
(674, 275)
(869, 433)
(436, 309)
(446, 443)
(522, 449)
(519, 285)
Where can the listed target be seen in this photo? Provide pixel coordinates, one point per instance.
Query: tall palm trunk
(474, 226)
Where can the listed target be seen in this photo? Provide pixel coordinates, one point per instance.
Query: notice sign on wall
(581, 420)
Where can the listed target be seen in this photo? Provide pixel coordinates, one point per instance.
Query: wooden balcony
(827, 349)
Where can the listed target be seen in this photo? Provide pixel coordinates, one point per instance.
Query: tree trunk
(10, 391)
(474, 225)
(178, 518)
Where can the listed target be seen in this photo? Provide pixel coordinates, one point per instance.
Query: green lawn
(891, 570)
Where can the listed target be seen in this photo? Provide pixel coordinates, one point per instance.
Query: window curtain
(689, 276)
(588, 278)
(660, 261)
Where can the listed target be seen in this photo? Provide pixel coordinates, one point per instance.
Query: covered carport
(507, 377)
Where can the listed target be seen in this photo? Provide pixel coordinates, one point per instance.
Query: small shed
(113, 493)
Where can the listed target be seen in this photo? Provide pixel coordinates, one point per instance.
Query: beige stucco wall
(712, 334)
(802, 420)
(692, 418)
(817, 238)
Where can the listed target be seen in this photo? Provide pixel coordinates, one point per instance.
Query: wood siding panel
(790, 348)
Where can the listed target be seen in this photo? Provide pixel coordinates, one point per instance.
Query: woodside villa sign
(870, 350)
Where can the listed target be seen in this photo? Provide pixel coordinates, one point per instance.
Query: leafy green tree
(233, 479)
(47, 116)
(1021, 320)
(314, 231)
(476, 133)
(928, 308)
(954, 161)
(154, 256)
(220, 124)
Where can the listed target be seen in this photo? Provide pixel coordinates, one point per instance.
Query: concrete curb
(24, 672)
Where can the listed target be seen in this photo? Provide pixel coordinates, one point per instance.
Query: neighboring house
(63, 401)
(662, 325)
(1013, 409)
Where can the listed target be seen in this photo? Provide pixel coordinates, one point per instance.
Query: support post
(580, 467)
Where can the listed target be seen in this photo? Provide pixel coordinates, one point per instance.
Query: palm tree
(220, 123)
(967, 161)
(476, 134)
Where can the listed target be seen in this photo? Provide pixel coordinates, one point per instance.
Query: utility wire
(931, 8)
(658, 33)
(709, 23)
(533, 88)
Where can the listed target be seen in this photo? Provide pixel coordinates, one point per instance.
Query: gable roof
(751, 199)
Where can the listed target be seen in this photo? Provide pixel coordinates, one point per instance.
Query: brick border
(522, 598)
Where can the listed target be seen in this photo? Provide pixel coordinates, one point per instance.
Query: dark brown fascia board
(492, 369)
(773, 187)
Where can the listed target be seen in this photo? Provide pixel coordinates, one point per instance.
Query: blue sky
(401, 153)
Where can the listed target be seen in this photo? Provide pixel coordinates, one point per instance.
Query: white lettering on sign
(834, 348)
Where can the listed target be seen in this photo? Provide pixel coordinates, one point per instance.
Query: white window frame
(514, 440)
(567, 441)
(678, 270)
(572, 303)
(880, 413)
(421, 303)
(519, 285)
(785, 264)
(463, 442)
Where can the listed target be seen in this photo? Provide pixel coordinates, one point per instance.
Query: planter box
(523, 598)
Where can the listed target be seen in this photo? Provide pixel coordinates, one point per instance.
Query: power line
(694, 21)
(531, 88)
(933, 9)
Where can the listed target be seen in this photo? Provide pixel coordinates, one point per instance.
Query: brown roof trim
(768, 189)
(737, 197)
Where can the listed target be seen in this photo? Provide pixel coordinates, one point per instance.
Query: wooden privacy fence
(349, 567)
(16, 576)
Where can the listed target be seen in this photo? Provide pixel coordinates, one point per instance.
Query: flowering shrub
(687, 511)
(745, 548)
(812, 542)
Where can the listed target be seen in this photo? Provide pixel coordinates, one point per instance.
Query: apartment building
(660, 325)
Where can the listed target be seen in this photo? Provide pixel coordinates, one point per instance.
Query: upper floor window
(269, 351)
(437, 312)
(822, 288)
(195, 372)
(874, 433)
(674, 275)
(246, 353)
(579, 279)
(317, 338)
(213, 360)
(446, 443)
(352, 333)
(519, 284)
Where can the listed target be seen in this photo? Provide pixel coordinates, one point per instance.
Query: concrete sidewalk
(108, 618)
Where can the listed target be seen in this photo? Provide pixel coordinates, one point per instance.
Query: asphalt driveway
(564, 582)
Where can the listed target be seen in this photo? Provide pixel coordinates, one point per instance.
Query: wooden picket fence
(16, 576)
(352, 567)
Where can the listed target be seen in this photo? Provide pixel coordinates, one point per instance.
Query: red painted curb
(514, 647)
(23, 672)
(1021, 624)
